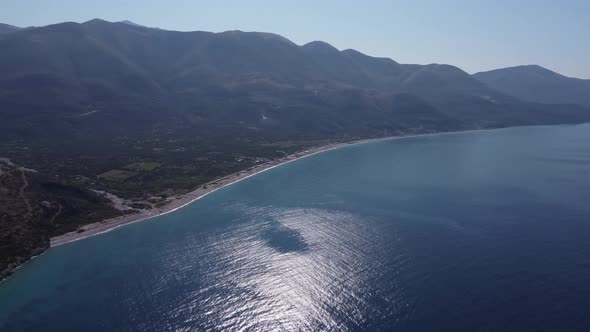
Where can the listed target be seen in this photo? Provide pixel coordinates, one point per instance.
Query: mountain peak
(96, 21)
(320, 45)
(273, 36)
(267, 36)
(532, 66)
(532, 71)
(538, 84)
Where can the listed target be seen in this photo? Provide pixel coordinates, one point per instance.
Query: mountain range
(137, 76)
(144, 112)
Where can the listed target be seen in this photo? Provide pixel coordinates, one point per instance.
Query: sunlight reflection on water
(321, 281)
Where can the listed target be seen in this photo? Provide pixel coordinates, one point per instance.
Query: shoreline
(181, 201)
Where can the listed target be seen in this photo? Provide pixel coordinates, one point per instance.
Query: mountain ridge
(7, 28)
(72, 66)
(537, 84)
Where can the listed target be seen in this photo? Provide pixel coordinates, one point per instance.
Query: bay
(475, 231)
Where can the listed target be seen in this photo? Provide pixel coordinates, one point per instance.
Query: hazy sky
(472, 34)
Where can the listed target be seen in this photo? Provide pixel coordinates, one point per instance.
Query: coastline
(181, 201)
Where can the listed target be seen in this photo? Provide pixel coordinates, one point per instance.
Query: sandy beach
(180, 201)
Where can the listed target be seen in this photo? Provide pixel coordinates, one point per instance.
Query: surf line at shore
(108, 225)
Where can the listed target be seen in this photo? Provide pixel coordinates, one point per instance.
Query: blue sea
(475, 231)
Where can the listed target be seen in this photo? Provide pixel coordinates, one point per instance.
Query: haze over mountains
(78, 101)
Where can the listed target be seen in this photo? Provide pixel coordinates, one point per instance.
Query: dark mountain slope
(137, 78)
(99, 81)
(383, 71)
(34, 207)
(7, 28)
(442, 80)
(537, 84)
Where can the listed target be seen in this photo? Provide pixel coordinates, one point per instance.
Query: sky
(475, 35)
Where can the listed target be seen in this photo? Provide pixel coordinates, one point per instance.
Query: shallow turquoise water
(480, 231)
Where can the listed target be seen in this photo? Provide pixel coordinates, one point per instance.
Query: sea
(473, 231)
